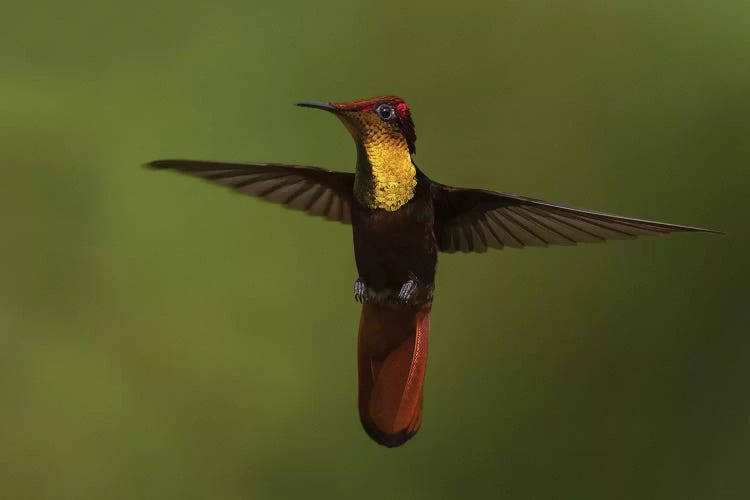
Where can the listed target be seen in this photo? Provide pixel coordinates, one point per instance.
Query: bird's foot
(407, 290)
(360, 291)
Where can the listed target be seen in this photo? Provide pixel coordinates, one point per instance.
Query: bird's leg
(407, 289)
(360, 291)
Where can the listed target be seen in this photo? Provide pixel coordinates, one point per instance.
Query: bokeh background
(162, 338)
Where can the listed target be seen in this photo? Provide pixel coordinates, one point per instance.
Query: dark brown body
(392, 247)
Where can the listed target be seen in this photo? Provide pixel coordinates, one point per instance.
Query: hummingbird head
(378, 122)
(382, 128)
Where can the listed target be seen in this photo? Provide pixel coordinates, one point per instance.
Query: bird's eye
(385, 111)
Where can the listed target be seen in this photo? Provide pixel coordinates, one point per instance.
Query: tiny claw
(360, 291)
(407, 291)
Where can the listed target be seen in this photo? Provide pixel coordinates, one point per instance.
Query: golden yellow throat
(386, 176)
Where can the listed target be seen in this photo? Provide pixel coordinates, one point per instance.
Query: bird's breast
(392, 247)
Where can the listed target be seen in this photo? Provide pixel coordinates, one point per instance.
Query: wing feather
(314, 190)
(471, 220)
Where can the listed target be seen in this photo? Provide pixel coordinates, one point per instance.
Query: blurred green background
(162, 338)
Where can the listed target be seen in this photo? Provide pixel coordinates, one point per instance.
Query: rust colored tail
(392, 360)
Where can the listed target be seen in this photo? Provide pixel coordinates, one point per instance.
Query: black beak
(317, 104)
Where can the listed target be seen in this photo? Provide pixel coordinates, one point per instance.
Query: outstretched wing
(472, 220)
(315, 190)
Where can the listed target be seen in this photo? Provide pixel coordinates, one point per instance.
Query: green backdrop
(161, 338)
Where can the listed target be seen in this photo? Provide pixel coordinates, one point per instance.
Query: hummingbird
(401, 220)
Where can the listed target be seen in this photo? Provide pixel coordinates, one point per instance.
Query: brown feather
(470, 220)
(315, 190)
(392, 357)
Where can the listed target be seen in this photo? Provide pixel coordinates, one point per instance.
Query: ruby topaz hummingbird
(400, 220)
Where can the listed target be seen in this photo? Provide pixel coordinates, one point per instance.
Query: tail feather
(392, 361)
